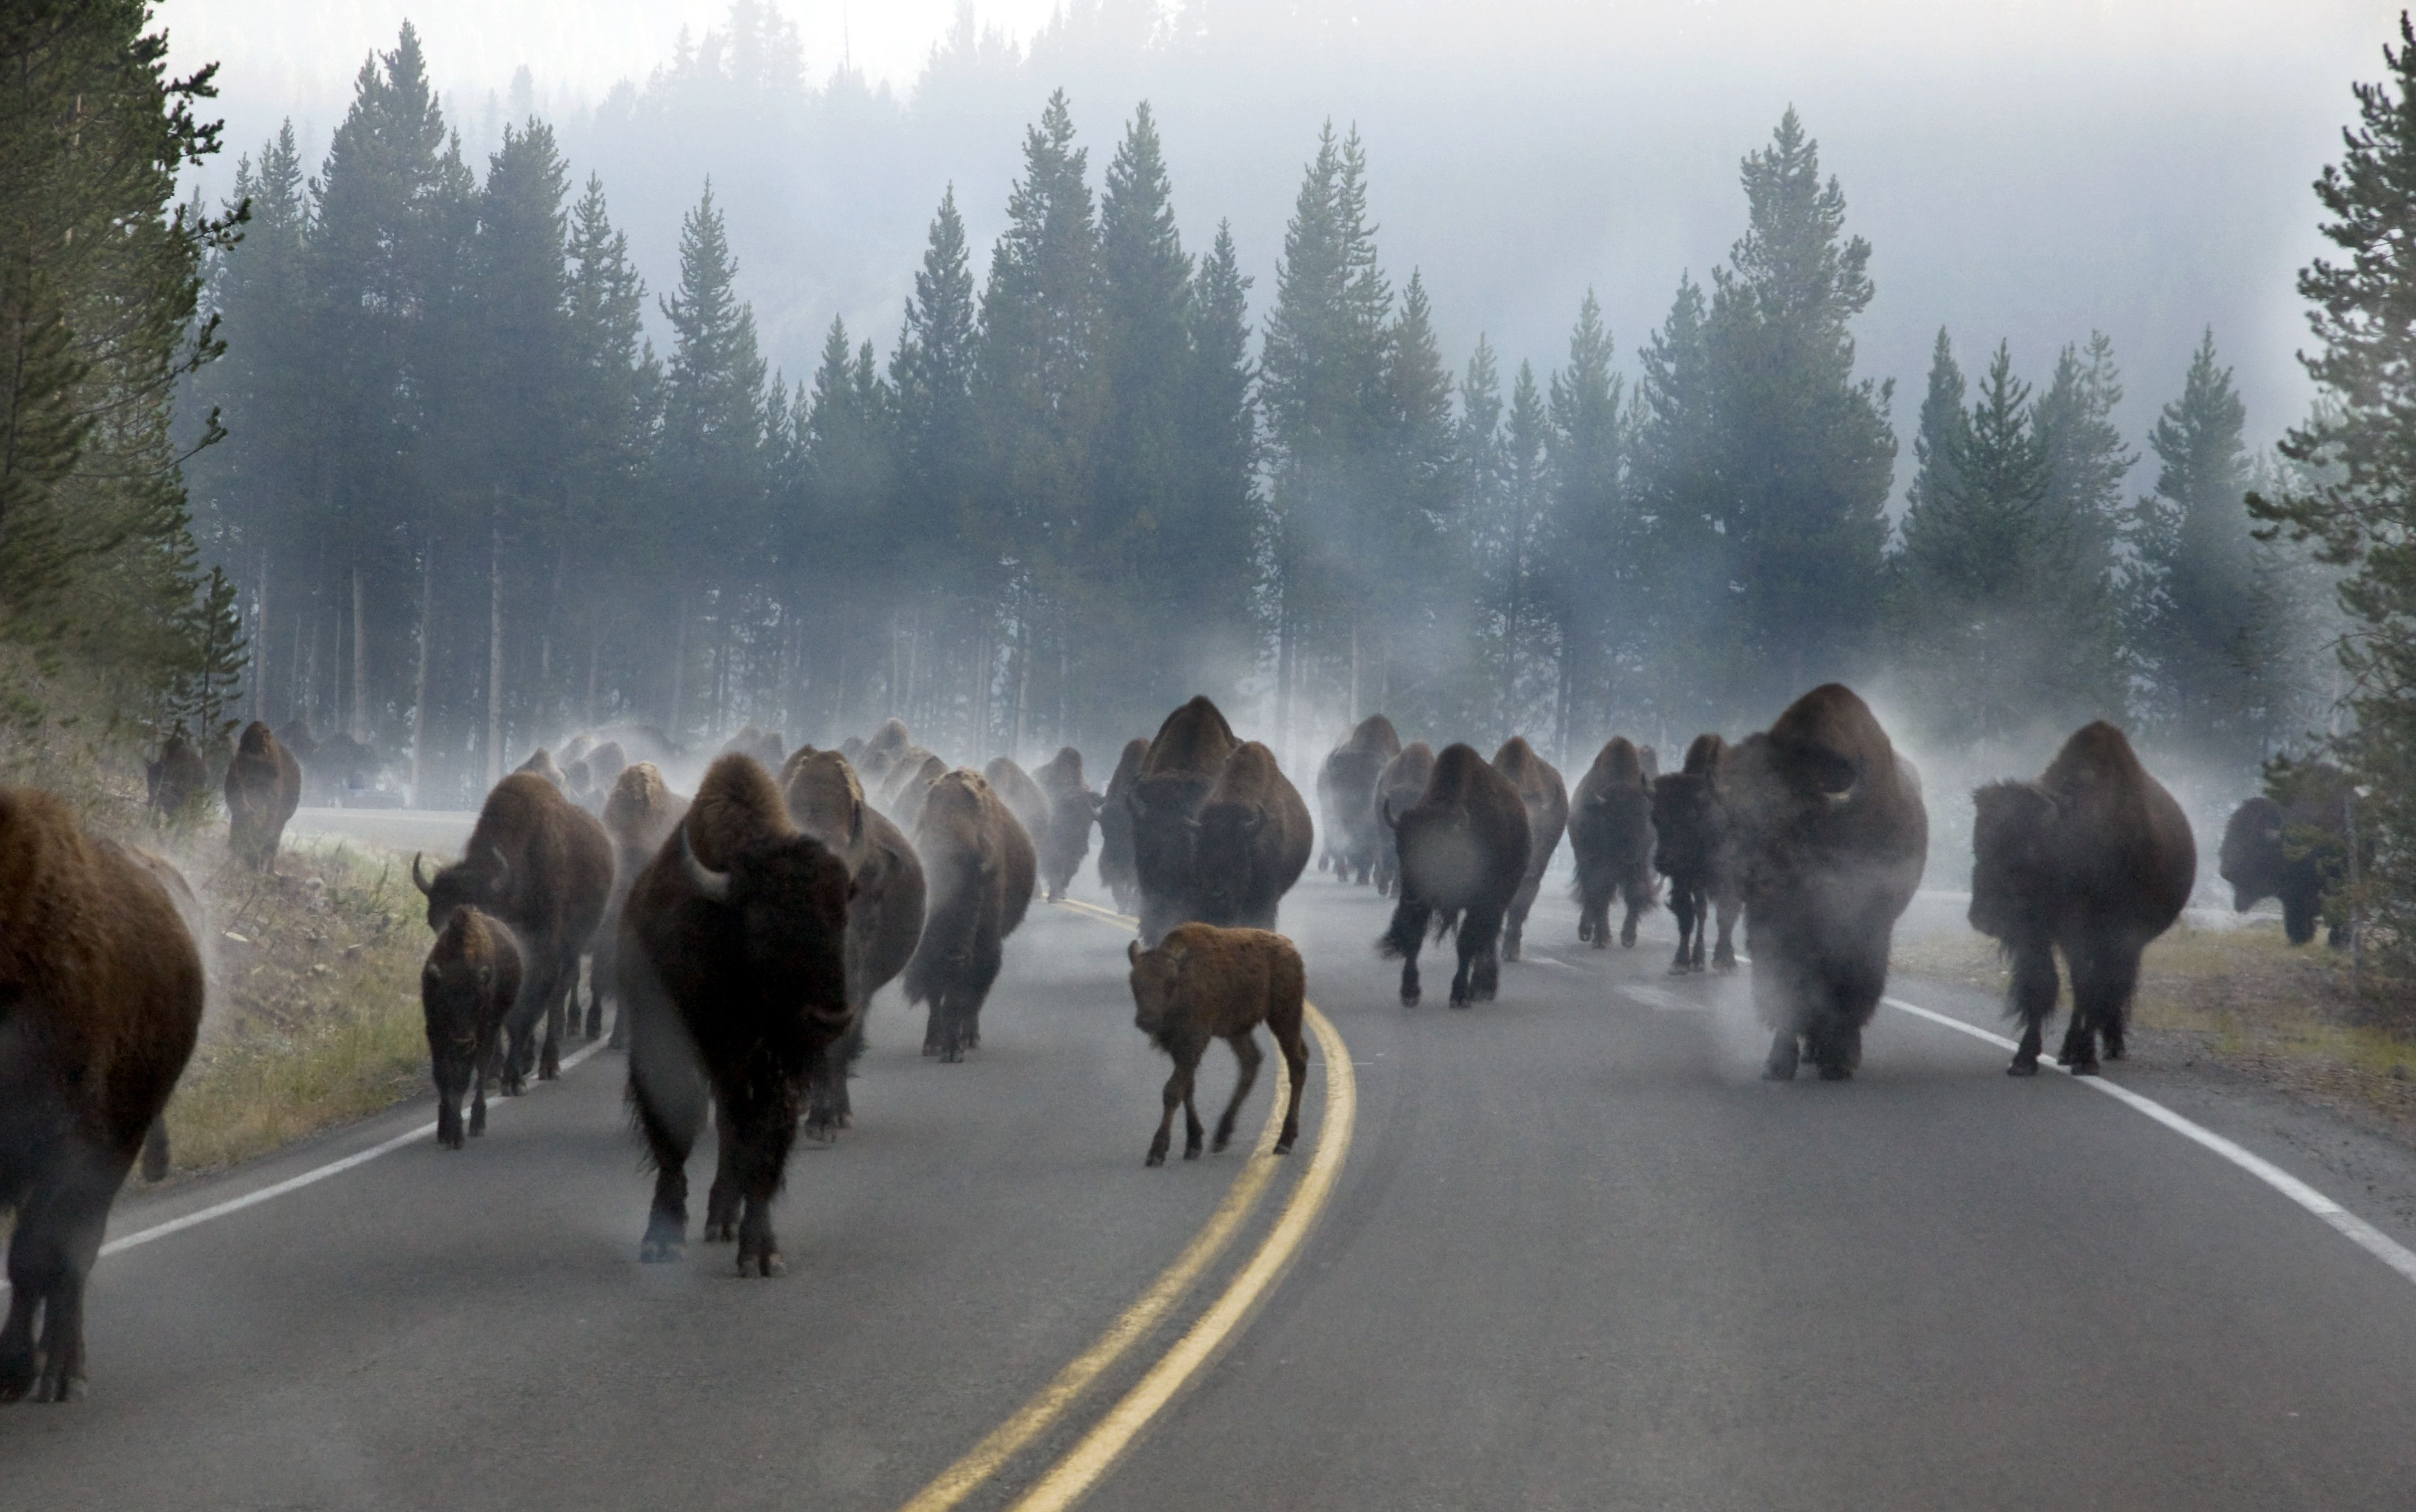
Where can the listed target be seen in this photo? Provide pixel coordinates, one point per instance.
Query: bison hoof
(1156, 1158)
(1191, 1152)
(1411, 997)
(2114, 1050)
(2088, 1068)
(661, 1251)
(768, 1266)
(2022, 1068)
(721, 1230)
(1837, 1071)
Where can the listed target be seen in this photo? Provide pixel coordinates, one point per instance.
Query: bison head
(2253, 857)
(1224, 843)
(473, 882)
(1156, 985)
(2012, 857)
(789, 896)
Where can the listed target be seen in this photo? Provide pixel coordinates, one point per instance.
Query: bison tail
(1446, 924)
(155, 1151)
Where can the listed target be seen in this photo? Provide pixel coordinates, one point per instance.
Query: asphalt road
(1578, 1256)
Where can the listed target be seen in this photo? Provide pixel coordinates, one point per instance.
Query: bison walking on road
(466, 991)
(2093, 859)
(1117, 869)
(100, 1000)
(1346, 799)
(1831, 839)
(1546, 799)
(1398, 786)
(978, 868)
(1463, 849)
(639, 816)
(264, 787)
(1072, 807)
(1250, 842)
(1181, 765)
(1202, 983)
(1610, 836)
(1023, 799)
(1691, 847)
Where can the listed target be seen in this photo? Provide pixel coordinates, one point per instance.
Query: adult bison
(465, 993)
(978, 867)
(1546, 799)
(543, 866)
(1346, 799)
(1831, 836)
(1181, 765)
(1690, 847)
(1022, 797)
(264, 787)
(1072, 809)
(884, 911)
(734, 954)
(2290, 843)
(1250, 842)
(769, 747)
(541, 764)
(2094, 859)
(908, 807)
(100, 999)
(1610, 836)
(175, 779)
(1118, 870)
(1463, 849)
(1403, 779)
(639, 816)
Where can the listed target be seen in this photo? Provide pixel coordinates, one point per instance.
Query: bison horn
(418, 881)
(1132, 951)
(714, 886)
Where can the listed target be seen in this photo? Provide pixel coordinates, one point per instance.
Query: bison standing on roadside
(1181, 765)
(1463, 849)
(884, 911)
(639, 816)
(465, 992)
(1403, 779)
(1831, 838)
(1204, 983)
(1690, 847)
(734, 956)
(1250, 842)
(978, 868)
(2292, 844)
(2094, 859)
(100, 1001)
(1072, 807)
(264, 787)
(544, 866)
(1118, 870)
(1610, 837)
(175, 778)
(1346, 799)
(1546, 799)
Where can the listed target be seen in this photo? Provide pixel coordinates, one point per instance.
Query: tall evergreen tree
(938, 467)
(2087, 464)
(1679, 502)
(1591, 585)
(1218, 535)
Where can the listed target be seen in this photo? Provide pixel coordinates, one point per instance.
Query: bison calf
(472, 977)
(1204, 983)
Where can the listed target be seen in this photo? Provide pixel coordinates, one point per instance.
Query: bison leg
(482, 1062)
(1295, 1054)
(1638, 897)
(1682, 908)
(563, 996)
(50, 1253)
(2031, 998)
(2105, 973)
(1514, 924)
(1195, 1133)
(671, 1097)
(764, 1128)
(1480, 936)
(1246, 1049)
(1407, 934)
(1177, 1095)
(722, 1199)
(1784, 1054)
(1724, 958)
(2299, 913)
(828, 1109)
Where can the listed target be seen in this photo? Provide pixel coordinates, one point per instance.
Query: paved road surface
(1579, 1257)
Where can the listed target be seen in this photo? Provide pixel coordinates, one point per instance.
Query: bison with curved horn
(1118, 871)
(1690, 847)
(1546, 799)
(1250, 842)
(1346, 799)
(1611, 835)
(1463, 850)
(2094, 859)
(1831, 839)
(978, 868)
(1072, 807)
(1181, 765)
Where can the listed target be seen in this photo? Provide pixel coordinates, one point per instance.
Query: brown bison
(2094, 859)
(1463, 849)
(978, 867)
(1403, 778)
(1346, 799)
(1250, 842)
(606, 761)
(1690, 847)
(907, 810)
(100, 1000)
(1181, 765)
(1610, 837)
(1204, 983)
(1831, 838)
(1072, 807)
(884, 914)
(884, 751)
(2291, 843)
(541, 764)
(465, 993)
(904, 773)
(177, 778)
(264, 787)
(734, 956)
(1546, 799)
(543, 866)
(639, 816)
(1118, 871)
(1022, 797)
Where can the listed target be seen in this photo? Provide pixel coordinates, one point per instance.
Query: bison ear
(1175, 955)
(1132, 952)
(1255, 822)
(417, 880)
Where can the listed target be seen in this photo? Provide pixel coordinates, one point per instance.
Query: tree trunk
(495, 648)
(260, 643)
(594, 652)
(359, 727)
(679, 669)
(419, 690)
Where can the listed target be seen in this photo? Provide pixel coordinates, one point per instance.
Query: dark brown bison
(907, 810)
(544, 866)
(1546, 799)
(884, 914)
(1610, 836)
(1182, 762)
(1403, 779)
(1690, 847)
(2094, 859)
(2291, 842)
(1831, 836)
(1022, 797)
(639, 817)
(1346, 799)
(177, 778)
(465, 993)
(1118, 871)
(100, 999)
(264, 787)
(734, 956)
(978, 868)
(1204, 983)
(1463, 849)
(1072, 807)
(1250, 842)
(768, 747)
(606, 760)
(884, 751)
(903, 774)
(541, 764)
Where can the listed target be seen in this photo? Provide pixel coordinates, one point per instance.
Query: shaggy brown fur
(1204, 983)
(264, 787)
(907, 810)
(1117, 870)
(465, 992)
(1463, 847)
(1022, 797)
(638, 815)
(540, 764)
(1691, 847)
(979, 866)
(1398, 786)
(1346, 799)
(1610, 836)
(1546, 799)
(175, 778)
(1251, 843)
(1072, 809)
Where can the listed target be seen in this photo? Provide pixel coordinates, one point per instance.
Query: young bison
(467, 988)
(1204, 983)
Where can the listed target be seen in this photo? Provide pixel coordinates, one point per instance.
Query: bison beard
(2094, 859)
(1611, 835)
(978, 868)
(1346, 799)
(1250, 842)
(1546, 799)
(100, 1000)
(1463, 849)
(1691, 847)
(264, 787)
(1204, 983)
(732, 957)
(466, 989)
(1831, 837)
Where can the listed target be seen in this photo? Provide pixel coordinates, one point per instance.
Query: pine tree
(2087, 464)
(1589, 534)
(939, 466)
(1527, 486)
(1679, 502)
(1482, 538)
(1422, 638)
(1219, 534)
(1944, 429)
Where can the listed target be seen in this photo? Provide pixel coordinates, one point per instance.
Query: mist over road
(1578, 1256)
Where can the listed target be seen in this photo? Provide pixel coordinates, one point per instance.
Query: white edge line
(2356, 1229)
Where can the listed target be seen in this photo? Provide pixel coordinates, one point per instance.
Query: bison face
(1224, 843)
(2012, 838)
(465, 883)
(2254, 857)
(790, 895)
(1156, 982)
